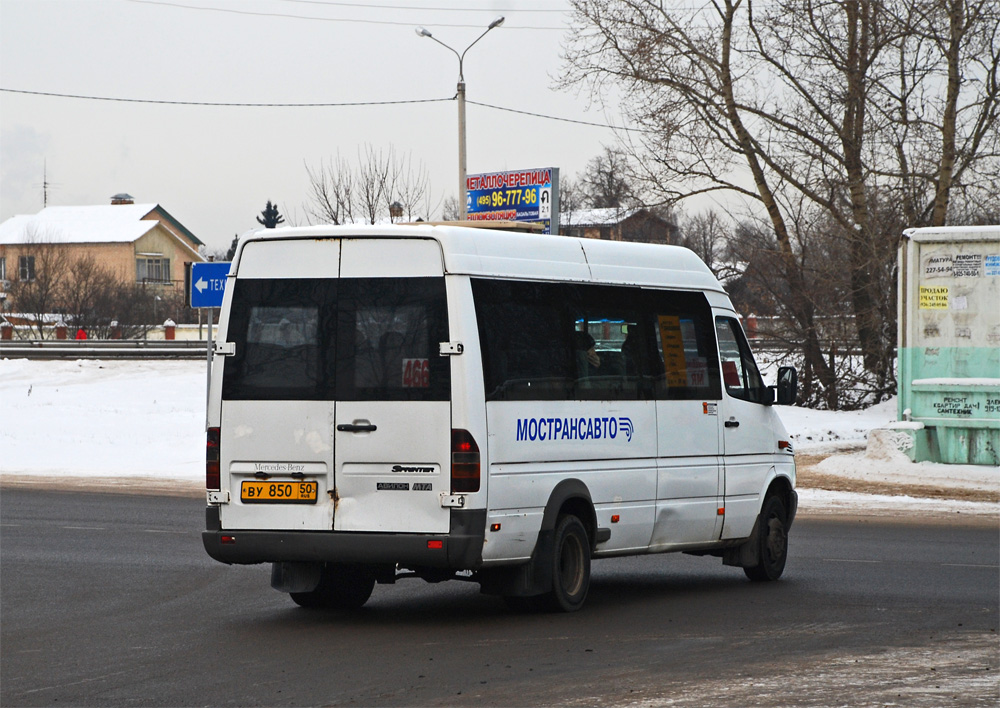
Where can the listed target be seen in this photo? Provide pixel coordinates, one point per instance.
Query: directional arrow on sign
(208, 283)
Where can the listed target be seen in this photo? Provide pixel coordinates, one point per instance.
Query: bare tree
(100, 301)
(85, 285)
(862, 115)
(451, 210)
(42, 268)
(412, 189)
(606, 181)
(126, 310)
(377, 172)
(570, 196)
(331, 192)
(342, 193)
(705, 234)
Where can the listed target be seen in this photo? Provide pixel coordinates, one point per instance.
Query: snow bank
(884, 462)
(822, 501)
(814, 431)
(103, 418)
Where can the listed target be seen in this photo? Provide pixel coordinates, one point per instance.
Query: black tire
(772, 541)
(341, 587)
(570, 564)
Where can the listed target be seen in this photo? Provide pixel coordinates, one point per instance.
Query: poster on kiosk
(530, 195)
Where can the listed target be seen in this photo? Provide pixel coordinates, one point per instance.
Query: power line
(345, 104)
(223, 104)
(423, 9)
(564, 120)
(326, 19)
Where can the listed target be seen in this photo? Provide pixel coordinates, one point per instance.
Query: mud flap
(746, 555)
(296, 577)
(525, 580)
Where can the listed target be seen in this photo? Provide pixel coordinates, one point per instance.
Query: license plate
(254, 492)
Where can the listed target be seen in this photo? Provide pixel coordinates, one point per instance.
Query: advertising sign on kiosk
(530, 195)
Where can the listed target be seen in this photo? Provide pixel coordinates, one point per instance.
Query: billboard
(519, 195)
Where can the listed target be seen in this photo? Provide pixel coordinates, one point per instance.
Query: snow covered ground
(146, 419)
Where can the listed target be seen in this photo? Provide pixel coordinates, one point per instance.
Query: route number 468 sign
(416, 373)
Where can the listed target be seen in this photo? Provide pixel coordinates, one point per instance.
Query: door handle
(356, 428)
(732, 423)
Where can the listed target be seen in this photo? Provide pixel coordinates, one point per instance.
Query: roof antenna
(45, 184)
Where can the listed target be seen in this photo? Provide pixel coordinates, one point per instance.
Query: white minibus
(447, 402)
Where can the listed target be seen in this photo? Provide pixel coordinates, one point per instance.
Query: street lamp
(423, 32)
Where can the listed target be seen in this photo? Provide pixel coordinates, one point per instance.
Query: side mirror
(788, 386)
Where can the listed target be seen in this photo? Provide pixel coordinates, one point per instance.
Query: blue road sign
(208, 283)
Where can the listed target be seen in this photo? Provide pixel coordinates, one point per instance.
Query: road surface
(110, 600)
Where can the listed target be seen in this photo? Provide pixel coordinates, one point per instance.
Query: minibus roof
(494, 253)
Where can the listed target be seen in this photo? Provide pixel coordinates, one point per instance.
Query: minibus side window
(740, 375)
(686, 366)
(574, 341)
(608, 353)
(609, 342)
(527, 334)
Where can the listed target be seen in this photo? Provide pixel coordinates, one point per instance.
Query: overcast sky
(213, 168)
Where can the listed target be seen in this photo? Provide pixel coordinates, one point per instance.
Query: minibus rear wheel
(570, 565)
(341, 587)
(773, 541)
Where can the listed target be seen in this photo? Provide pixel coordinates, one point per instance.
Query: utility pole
(460, 95)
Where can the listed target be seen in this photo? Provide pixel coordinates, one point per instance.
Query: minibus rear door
(392, 438)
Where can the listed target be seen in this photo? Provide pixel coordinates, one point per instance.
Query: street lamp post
(460, 95)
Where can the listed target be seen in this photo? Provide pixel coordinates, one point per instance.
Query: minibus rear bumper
(460, 549)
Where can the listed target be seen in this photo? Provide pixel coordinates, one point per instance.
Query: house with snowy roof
(141, 243)
(618, 224)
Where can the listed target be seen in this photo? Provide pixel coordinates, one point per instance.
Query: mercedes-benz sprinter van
(448, 402)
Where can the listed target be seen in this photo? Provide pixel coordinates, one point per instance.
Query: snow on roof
(120, 223)
(954, 233)
(595, 217)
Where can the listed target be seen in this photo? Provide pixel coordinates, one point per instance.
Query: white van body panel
(751, 454)
(390, 258)
(410, 449)
(316, 258)
(689, 479)
(608, 445)
(468, 408)
(612, 485)
(278, 438)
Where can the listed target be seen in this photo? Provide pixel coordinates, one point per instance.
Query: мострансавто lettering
(574, 428)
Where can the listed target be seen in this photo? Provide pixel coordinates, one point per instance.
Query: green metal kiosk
(949, 344)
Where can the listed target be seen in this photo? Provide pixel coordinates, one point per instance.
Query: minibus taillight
(464, 462)
(212, 479)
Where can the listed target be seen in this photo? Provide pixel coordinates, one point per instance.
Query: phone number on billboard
(508, 197)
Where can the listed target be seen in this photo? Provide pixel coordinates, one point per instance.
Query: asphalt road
(110, 600)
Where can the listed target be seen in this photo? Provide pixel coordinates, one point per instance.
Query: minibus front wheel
(772, 541)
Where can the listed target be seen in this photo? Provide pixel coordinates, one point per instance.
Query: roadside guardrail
(103, 349)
